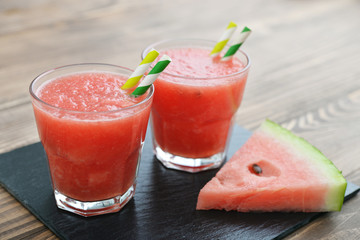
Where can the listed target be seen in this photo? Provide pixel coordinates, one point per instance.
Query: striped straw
(223, 39)
(141, 69)
(237, 44)
(152, 76)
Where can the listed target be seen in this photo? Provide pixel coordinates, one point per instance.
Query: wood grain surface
(305, 73)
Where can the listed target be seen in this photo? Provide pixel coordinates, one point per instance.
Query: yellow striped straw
(140, 70)
(152, 76)
(223, 39)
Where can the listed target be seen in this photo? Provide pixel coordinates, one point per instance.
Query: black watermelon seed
(256, 168)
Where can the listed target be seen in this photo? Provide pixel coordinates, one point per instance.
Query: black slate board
(163, 207)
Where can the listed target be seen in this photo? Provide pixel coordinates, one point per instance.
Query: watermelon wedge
(275, 171)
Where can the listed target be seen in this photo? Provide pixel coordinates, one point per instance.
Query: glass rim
(169, 40)
(35, 97)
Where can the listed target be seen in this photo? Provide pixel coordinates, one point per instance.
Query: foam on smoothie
(196, 62)
(87, 92)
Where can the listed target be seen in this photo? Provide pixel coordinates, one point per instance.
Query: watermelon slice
(275, 171)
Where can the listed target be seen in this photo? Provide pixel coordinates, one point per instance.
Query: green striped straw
(223, 39)
(236, 44)
(141, 69)
(152, 76)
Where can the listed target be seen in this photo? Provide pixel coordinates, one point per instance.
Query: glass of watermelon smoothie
(194, 105)
(92, 133)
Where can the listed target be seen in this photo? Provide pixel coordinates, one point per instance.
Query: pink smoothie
(93, 149)
(191, 116)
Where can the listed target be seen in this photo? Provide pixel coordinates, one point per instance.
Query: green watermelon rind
(335, 196)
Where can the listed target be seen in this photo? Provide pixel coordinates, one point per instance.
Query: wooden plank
(17, 127)
(15, 221)
(42, 47)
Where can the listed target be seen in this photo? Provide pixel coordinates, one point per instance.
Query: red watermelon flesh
(295, 176)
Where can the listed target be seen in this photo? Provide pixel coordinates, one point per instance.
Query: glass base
(88, 209)
(192, 165)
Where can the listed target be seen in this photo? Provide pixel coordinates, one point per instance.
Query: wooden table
(305, 73)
